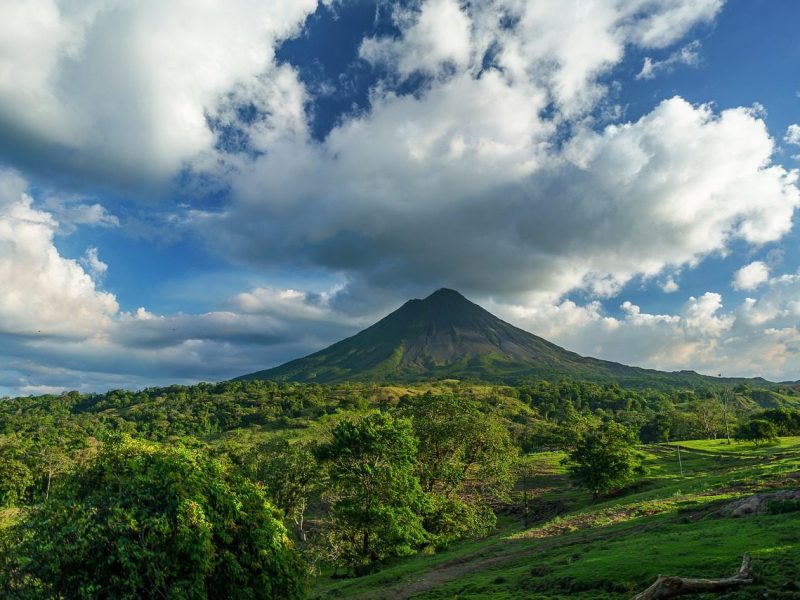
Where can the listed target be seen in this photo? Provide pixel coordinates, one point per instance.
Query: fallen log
(669, 587)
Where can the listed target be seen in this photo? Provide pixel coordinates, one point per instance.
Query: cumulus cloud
(688, 55)
(59, 330)
(121, 91)
(91, 260)
(44, 293)
(749, 277)
(471, 195)
(670, 286)
(260, 328)
(792, 135)
(73, 212)
(558, 46)
(760, 337)
(437, 36)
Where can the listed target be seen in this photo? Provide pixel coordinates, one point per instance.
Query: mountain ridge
(445, 335)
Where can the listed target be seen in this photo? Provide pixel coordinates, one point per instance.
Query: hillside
(447, 336)
(672, 523)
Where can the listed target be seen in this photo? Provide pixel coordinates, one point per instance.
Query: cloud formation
(688, 55)
(421, 191)
(44, 294)
(120, 92)
(750, 276)
(759, 337)
(490, 158)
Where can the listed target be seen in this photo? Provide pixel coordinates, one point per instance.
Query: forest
(256, 489)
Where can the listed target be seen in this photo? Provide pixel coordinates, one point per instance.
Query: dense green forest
(257, 489)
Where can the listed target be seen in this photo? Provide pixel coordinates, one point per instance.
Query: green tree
(289, 473)
(15, 480)
(710, 416)
(375, 498)
(146, 521)
(758, 431)
(606, 459)
(466, 459)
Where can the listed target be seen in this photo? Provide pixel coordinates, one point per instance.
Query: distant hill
(447, 336)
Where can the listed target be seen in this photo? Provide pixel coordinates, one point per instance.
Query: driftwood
(669, 587)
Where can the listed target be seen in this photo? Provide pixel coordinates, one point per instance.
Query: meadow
(669, 524)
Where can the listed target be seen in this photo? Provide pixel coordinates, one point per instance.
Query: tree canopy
(151, 521)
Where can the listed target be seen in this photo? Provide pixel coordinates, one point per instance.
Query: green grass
(785, 444)
(667, 524)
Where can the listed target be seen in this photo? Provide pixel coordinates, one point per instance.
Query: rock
(759, 503)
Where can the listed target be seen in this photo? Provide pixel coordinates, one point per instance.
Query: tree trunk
(670, 587)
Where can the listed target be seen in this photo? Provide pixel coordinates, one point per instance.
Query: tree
(758, 431)
(710, 416)
(147, 521)
(466, 459)
(375, 498)
(289, 473)
(606, 459)
(15, 480)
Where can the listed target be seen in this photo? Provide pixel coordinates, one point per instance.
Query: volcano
(445, 336)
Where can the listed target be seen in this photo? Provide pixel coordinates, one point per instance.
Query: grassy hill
(446, 336)
(671, 524)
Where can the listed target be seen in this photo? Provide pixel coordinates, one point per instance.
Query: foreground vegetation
(546, 489)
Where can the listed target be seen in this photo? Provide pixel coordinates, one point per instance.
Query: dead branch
(669, 587)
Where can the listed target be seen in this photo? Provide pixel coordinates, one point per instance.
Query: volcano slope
(446, 336)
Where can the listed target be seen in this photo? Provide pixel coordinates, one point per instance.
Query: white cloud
(43, 292)
(560, 46)
(688, 55)
(91, 260)
(461, 187)
(120, 90)
(140, 348)
(760, 337)
(750, 276)
(469, 182)
(670, 286)
(73, 212)
(792, 135)
(438, 35)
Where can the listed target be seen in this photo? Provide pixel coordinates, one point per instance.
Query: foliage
(786, 421)
(375, 498)
(758, 431)
(611, 549)
(466, 436)
(289, 474)
(466, 459)
(146, 521)
(15, 481)
(606, 459)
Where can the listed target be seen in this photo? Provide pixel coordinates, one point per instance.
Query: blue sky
(194, 192)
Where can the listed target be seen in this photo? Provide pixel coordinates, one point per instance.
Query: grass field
(669, 524)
